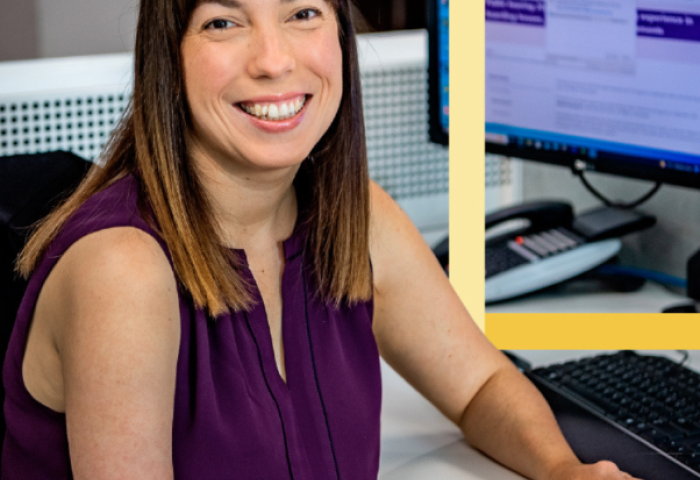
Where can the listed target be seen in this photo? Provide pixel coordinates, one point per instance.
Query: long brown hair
(150, 143)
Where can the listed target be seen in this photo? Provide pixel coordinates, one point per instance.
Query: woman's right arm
(116, 326)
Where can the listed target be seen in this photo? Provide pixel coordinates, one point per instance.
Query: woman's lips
(275, 116)
(279, 109)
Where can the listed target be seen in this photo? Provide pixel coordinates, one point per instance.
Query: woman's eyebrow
(236, 3)
(225, 3)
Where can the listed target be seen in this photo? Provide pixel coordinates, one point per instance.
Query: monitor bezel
(437, 134)
(623, 167)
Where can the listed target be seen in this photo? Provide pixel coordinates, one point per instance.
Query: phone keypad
(529, 248)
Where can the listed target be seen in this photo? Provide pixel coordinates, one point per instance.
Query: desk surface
(418, 443)
(651, 298)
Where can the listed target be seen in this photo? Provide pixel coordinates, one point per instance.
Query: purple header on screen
(658, 24)
(524, 12)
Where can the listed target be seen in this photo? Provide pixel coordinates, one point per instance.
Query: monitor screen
(614, 84)
(439, 70)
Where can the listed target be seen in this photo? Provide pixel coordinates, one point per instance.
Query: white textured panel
(62, 104)
(402, 159)
(74, 120)
(503, 182)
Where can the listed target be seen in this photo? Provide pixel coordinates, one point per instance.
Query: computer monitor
(608, 86)
(439, 70)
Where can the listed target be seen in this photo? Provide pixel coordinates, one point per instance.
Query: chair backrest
(30, 186)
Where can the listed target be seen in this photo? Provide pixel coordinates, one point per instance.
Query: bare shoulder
(112, 281)
(116, 270)
(396, 246)
(385, 212)
(111, 310)
(115, 254)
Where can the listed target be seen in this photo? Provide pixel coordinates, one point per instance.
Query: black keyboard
(640, 411)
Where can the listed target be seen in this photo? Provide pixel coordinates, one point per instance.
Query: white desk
(418, 443)
(651, 298)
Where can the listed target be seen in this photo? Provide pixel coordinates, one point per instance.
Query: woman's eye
(219, 24)
(306, 14)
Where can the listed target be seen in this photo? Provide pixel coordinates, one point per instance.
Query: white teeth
(275, 112)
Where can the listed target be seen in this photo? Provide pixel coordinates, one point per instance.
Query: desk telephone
(553, 247)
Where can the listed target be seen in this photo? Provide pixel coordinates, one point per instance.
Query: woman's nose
(271, 55)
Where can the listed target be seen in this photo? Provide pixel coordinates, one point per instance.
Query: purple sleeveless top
(234, 417)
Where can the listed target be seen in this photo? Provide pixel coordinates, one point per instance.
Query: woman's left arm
(424, 332)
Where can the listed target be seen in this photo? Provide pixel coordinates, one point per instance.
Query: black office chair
(30, 187)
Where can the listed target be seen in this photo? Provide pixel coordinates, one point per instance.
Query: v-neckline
(257, 315)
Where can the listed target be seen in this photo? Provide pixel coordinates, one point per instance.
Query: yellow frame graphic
(522, 331)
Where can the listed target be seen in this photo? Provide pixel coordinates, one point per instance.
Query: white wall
(84, 27)
(17, 30)
(59, 28)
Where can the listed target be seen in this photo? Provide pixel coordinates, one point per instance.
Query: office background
(55, 28)
(58, 28)
(402, 159)
(665, 247)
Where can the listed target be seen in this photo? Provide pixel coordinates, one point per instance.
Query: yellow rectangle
(599, 331)
(467, 113)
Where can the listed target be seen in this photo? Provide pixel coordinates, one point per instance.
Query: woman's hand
(598, 471)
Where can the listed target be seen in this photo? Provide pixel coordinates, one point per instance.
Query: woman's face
(263, 79)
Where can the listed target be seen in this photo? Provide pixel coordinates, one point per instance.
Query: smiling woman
(204, 305)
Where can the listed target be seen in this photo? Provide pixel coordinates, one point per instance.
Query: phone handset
(541, 215)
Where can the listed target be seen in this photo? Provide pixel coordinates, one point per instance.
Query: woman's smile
(275, 114)
(274, 110)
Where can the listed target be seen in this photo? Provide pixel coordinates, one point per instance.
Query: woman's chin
(275, 159)
(248, 161)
